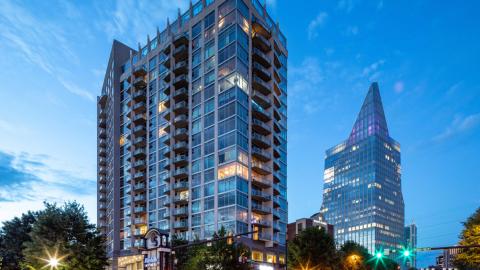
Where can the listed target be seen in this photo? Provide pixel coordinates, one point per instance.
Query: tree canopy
(470, 258)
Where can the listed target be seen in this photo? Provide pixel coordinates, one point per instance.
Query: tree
(470, 258)
(13, 235)
(64, 232)
(217, 256)
(354, 256)
(313, 248)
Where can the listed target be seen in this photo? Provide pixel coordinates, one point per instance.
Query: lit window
(161, 107)
(257, 256)
(232, 170)
(271, 258)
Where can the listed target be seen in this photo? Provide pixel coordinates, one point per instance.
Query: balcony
(262, 100)
(261, 168)
(180, 212)
(167, 202)
(181, 134)
(181, 68)
(261, 154)
(167, 77)
(102, 206)
(166, 152)
(180, 225)
(139, 130)
(180, 121)
(261, 72)
(140, 83)
(139, 107)
(166, 116)
(180, 173)
(102, 133)
(140, 141)
(102, 197)
(102, 152)
(166, 61)
(140, 221)
(263, 236)
(165, 139)
(102, 100)
(181, 107)
(260, 141)
(102, 122)
(167, 164)
(102, 161)
(180, 199)
(262, 223)
(260, 127)
(102, 189)
(166, 90)
(140, 152)
(276, 60)
(139, 198)
(261, 58)
(102, 114)
(166, 214)
(180, 81)
(276, 201)
(166, 190)
(179, 40)
(181, 160)
(180, 53)
(276, 213)
(138, 176)
(102, 179)
(139, 186)
(260, 85)
(261, 182)
(102, 170)
(262, 114)
(260, 209)
(140, 210)
(102, 143)
(180, 94)
(261, 42)
(180, 148)
(261, 28)
(276, 189)
(139, 71)
(139, 165)
(139, 96)
(180, 186)
(139, 119)
(260, 196)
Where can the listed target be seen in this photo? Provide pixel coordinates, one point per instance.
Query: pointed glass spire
(371, 118)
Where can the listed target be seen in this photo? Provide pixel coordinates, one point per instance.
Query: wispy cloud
(346, 5)
(372, 71)
(28, 178)
(40, 43)
(130, 19)
(459, 124)
(315, 24)
(352, 30)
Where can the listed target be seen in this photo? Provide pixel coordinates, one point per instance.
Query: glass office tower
(192, 133)
(362, 194)
(411, 244)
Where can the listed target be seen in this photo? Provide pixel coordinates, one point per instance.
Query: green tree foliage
(217, 256)
(354, 256)
(470, 258)
(13, 235)
(313, 248)
(65, 232)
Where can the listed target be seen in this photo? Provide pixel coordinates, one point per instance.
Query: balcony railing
(264, 210)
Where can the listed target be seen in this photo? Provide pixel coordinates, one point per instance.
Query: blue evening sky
(424, 54)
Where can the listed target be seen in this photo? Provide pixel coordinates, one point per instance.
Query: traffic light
(379, 255)
(407, 253)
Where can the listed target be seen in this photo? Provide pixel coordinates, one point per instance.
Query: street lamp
(53, 261)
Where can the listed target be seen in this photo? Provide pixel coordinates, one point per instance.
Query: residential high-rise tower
(362, 194)
(192, 131)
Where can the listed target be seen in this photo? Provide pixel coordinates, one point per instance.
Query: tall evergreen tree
(64, 232)
(13, 235)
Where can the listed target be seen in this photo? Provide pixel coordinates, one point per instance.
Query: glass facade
(362, 194)
(202, 130)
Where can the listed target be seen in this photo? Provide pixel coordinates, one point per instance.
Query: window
(208, 92)
(210, 77)
(196, 139)
(197, 8)
(226, 111)
(196, 99)
(196, 112)
(196, 29)
(196, 152)
(232, 80)
(226, 21)
(227, 156)
(196, 220)
(196, 206)
(232, 170)
(209, 162)
(209, 133)
(196, 179)
(226, 140)
(226, 199)
(210, 64)
(209, 105)
(209, 147)
(209, 49)
(209, 119)
(257, 256)
(227, 185)
(209, 20)
(226, 214)
(226, 53)
(209, 189)
(226, 68)
(209, 217)
(196, 72)
(209, 203)
(226, 37)
(209, 175)
(271, 258)
(196, 166)
(225, 8)
(226, 126)
(196, 193)
(196, 126)
(196, 58)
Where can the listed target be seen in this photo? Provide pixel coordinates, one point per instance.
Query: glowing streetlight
(379, 255)
(53, 260)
